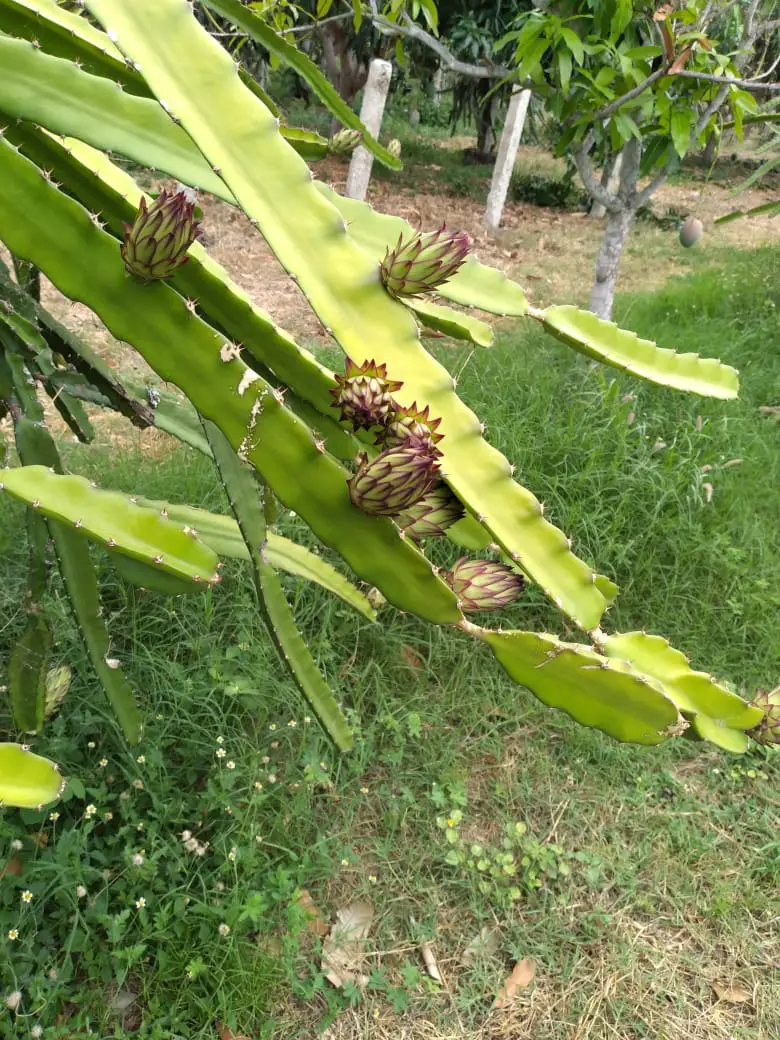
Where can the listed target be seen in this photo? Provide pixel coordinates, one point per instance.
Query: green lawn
(648, 877)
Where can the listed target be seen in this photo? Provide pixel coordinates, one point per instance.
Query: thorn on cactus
(484, 585)
(158, 240)
(362, 394)
(422, 262)
(393, 481)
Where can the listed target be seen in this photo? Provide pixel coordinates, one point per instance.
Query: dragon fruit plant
(376, 459)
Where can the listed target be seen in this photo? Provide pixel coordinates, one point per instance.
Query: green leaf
(27, 781)
(574, 44)
(605, 342)
(680, 125)
(564, 70)
(643, 53)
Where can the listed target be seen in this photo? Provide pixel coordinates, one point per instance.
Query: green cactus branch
(605, 694)
(279, 48)
(27, 674)
(65, 34)
(222, 533)
(694, 693)
(36, 448)
(40, 223)
(83, 55)
(108, 517)
(605, 342)
(27, 780)
(75, 351)
(341, 281)
(20, 336)
(58, 95)
(451, 322)
(242, 491)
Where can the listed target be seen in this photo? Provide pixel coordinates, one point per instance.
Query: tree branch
(313, 25)
(581, 155)
(411, 31)
(650, 189)
(730, 81)
(613, 106)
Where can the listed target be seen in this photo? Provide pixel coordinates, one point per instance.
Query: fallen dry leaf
(429, 960)
(522, 975)
(13, 866)
(343, 949)
(226, 1033)
(732, 993)
(411, 658)
(315, 921)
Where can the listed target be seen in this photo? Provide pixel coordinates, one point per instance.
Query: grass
(652, 873)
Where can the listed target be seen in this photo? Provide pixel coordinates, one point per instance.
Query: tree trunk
(346, 73)
(484, 115)
(603, 293)
(621, 208)
(610, 179)
(710, 149)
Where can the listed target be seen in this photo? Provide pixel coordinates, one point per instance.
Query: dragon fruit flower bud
(484, 585)
(436, 511)
(422, 262)
(411, 424)
(768, 729)
(158, 240)
(362, 394)
(345, 141)
(393, 481)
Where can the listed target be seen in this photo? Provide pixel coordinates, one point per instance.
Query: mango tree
(643, 82)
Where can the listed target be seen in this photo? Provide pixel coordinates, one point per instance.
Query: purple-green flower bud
(436, 511)
(484, 585)
(362, 394)
(422, 262)
(393, 481)
(411, 424)
(768, 729)
(158, 240)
